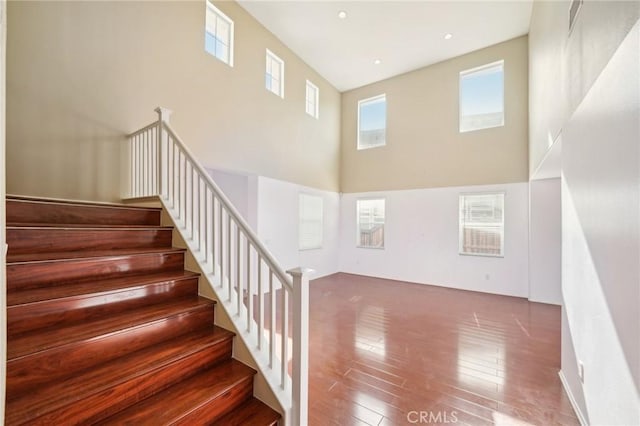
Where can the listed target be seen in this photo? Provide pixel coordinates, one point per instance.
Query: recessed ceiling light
(342, 14)
(448, 36)
(377, 62)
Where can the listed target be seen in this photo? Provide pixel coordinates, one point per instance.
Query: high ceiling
(402, 35)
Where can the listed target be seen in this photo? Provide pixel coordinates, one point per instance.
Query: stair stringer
(262, 389)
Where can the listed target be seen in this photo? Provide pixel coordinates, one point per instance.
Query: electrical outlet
(581, 371)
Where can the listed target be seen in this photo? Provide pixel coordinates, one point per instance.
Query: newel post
(300, 353)
(162, 139)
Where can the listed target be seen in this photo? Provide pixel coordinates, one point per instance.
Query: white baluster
(272, 321)
(229, 285)
(260, 303)
(285, 338)
(249, 296)
(238, 269)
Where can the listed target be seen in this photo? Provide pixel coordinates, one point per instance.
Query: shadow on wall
(601, 237)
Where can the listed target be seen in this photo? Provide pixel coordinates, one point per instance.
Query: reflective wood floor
(392, 353)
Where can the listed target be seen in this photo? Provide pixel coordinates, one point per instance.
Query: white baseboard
(574, 404)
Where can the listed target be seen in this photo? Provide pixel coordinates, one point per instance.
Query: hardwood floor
(392, 353)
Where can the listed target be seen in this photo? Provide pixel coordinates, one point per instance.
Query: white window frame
(373, 99)
(462, 223)
(476, 70)
(384, 224)
(273, 57)
(302, 219)
(312, 108)
(220, 15)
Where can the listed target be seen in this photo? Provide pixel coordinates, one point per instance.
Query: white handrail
(228, 205)
(235, 262)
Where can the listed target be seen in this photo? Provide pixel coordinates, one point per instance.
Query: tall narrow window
(312, 99)
(370, 223)
(218, 39)
(482, 97)
(372, 122)
(482, 224)
(310, 222)
(274, 75)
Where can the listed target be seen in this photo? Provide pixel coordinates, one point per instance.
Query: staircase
(106, 327)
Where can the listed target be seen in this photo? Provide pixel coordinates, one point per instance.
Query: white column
(300, 355)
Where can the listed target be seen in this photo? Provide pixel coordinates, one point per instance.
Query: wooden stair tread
(44, 294)
(51, 201)
(105, 325)
(37, 341)
(29, 210)
(84, 226)
(253, 412)
(176, 402)
(121, 371)
(74, 255)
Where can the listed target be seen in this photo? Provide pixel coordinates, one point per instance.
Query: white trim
(460, 239)
(301, 195)
(358, 234)
(229, 21)
(572, 399)
(382, 97)
(482, 68)
(475, 70)
(272, 56)
(316, 104)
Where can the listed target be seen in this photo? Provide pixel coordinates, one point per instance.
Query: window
(310, 222)
(482, 97)
(370, 223)
(274, 76)
(372, 122)
(482, 224)
(312, 99)
(218, 38)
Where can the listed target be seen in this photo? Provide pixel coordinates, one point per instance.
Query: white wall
(601, 239)
(421, 241)
(563, 65)
(270, 206)
(570, 373)
(545, 241)
(278, 226)
(236, 187)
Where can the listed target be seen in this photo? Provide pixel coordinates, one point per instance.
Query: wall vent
(573, 12)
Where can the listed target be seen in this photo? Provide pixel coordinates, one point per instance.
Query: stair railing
(270, 310)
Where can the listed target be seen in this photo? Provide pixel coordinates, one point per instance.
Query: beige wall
(424, 147)
(563, 67)
(82, 74)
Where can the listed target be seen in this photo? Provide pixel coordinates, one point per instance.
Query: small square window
(312, 99)
(218, 39)
(482, 97)
(370, 223)
(372, 122)
(310, 222)
(274, 75)
(482, 224)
